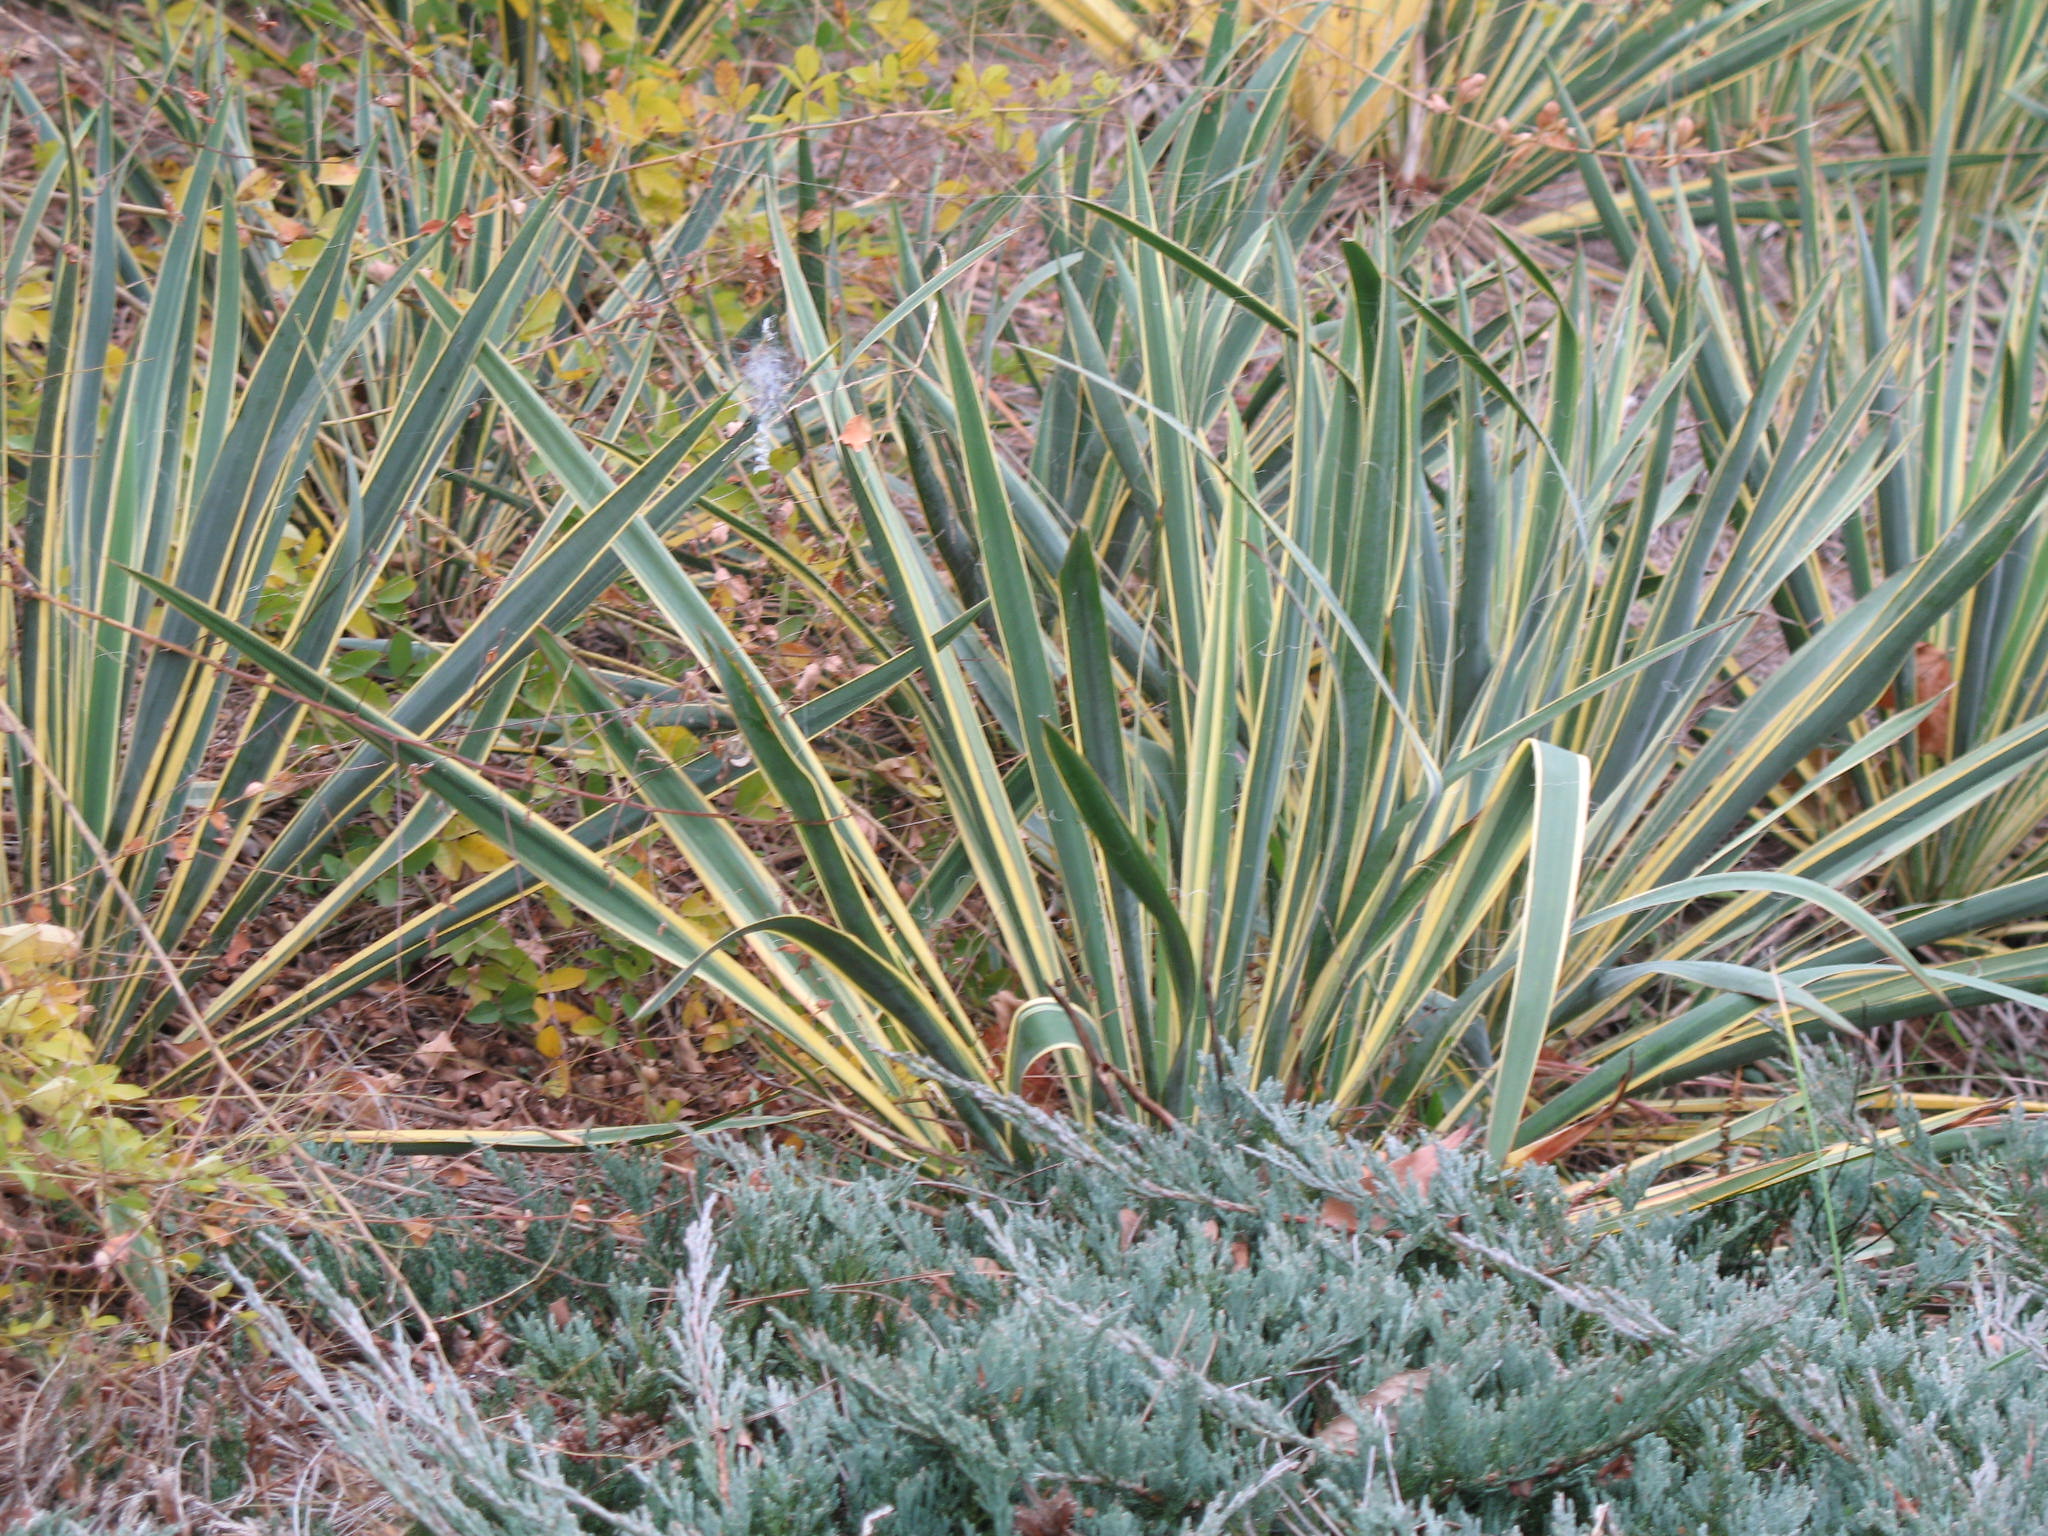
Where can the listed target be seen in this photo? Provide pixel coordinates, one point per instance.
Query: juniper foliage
(1179, 1331)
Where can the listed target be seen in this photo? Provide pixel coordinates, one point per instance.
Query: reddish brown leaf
(1932, 674)
(1549, 1148)
(1623, 1466)
(1551, 1066)
(1340, 1215)
(1051, 1514)
(1418, 1169)
(1414, 1171)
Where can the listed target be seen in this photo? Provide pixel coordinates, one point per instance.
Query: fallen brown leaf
(432, 1051)
(1414, 1171)
(1419, 1168)
(1340, 1435)
(1933, 673)
(1548, 1149)
(1396, 1388)
(1046, 1515)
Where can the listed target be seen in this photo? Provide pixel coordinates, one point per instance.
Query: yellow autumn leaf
(703, 909)
(481, 854)
(621, 18)
(642, 110)
(36, 946)
(447, 860)
(548, 1041)
(259, 187)
(720, 1035)
(730, 93)
(339, 173)
(563, 978)
(540, 316)
(27, 318)
(678, 741)
(659, 191)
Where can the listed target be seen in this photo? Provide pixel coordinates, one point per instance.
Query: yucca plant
(1944, 100)
(1960, 78)
(1509, 79)
(1467, 98)
(1964, 361)
(1959, 359)
(282, 410)
(1357, 696)
(1392, 775)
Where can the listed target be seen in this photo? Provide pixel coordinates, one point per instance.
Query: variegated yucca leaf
(1475, 693)
(1380, 708)
(330, 421)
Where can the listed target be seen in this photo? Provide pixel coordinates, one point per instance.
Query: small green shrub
(68, 1151)
(1255, 1327)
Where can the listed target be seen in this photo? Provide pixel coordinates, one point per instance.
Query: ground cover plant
(556, 592)
(1237, 1326)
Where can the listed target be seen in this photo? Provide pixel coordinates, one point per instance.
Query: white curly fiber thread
(768, 373)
